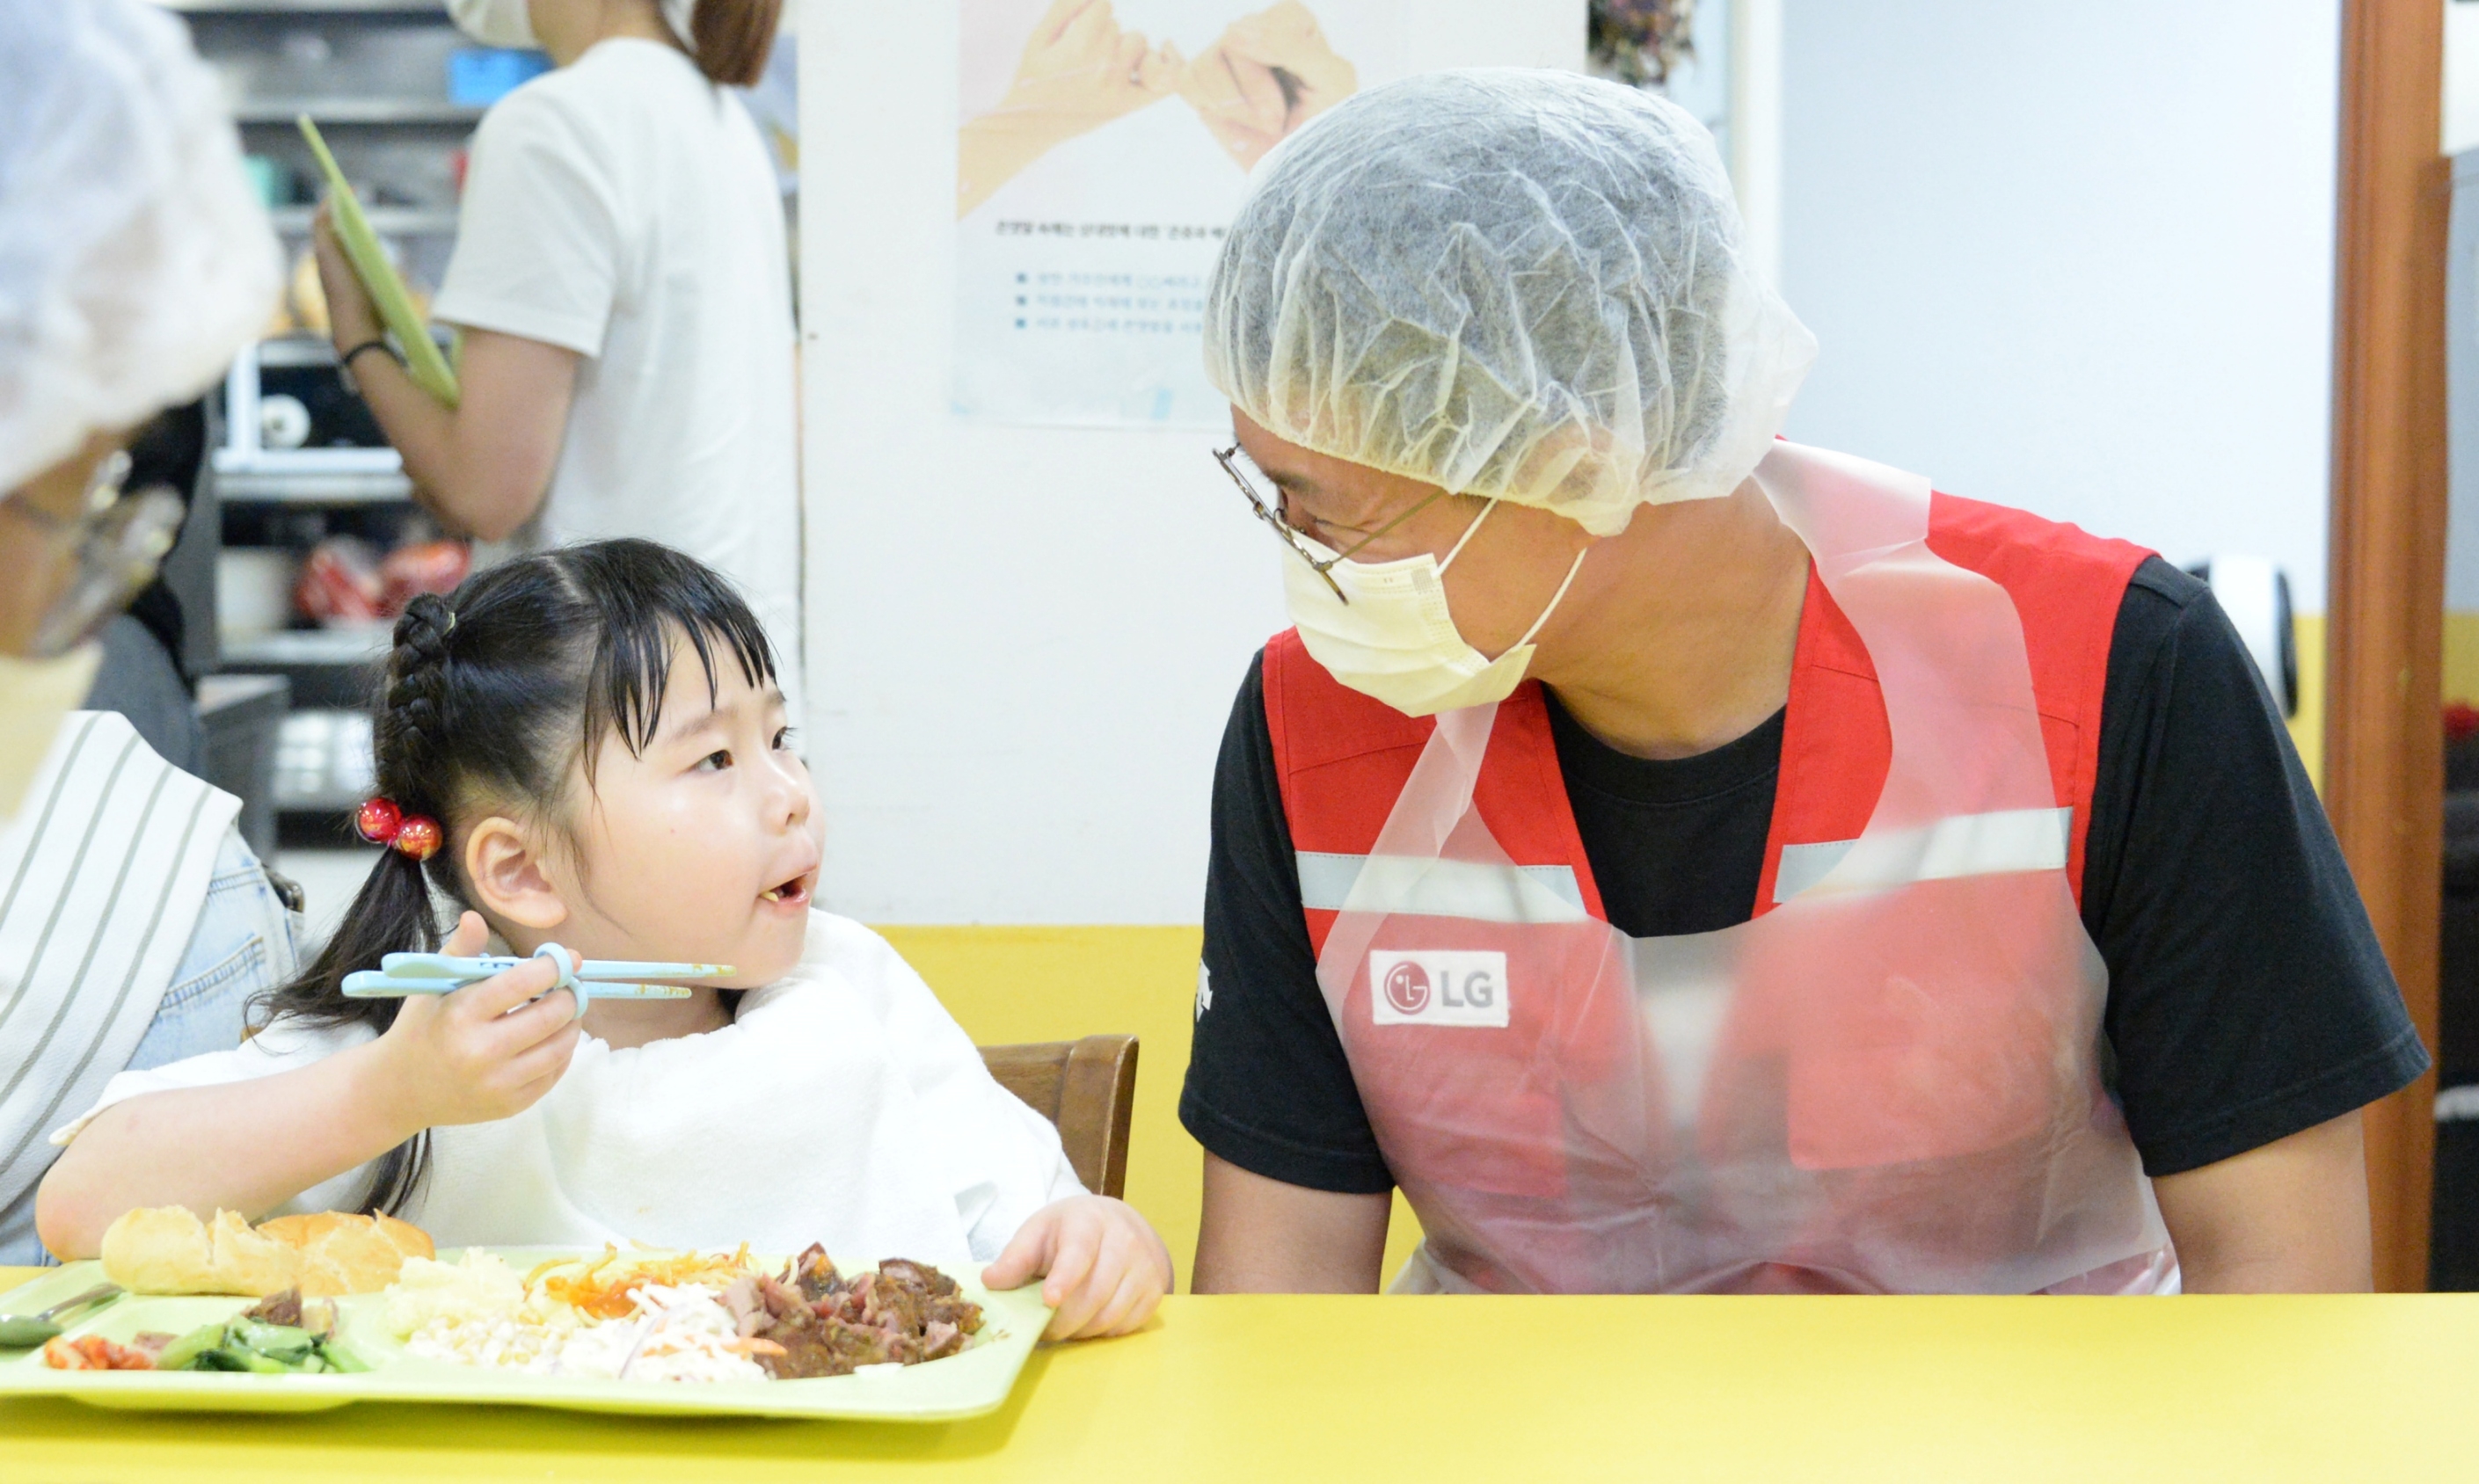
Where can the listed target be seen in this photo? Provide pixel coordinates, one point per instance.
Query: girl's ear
(509, 884)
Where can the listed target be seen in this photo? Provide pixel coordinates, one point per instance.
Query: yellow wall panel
(2462, 657)
(1012, 983)
(2306, 728)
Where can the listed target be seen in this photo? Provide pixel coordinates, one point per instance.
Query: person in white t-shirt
(621, 282)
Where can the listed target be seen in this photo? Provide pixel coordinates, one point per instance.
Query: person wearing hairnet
(135, 259)
(623, 283)
(1684, 861)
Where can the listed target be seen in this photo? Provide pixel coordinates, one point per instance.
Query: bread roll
(166, 1249)
(348, 1254)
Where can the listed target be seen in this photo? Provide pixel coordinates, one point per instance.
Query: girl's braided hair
(492, 700)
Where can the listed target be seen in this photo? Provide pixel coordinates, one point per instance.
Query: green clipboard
(423, 362)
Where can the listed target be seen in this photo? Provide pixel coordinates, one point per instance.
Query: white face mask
(35, 694)
(1396, 640)
(494, 22)
(508, 23)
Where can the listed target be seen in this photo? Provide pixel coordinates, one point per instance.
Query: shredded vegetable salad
(615, 1317)
(605, 1287)
(650, 1315)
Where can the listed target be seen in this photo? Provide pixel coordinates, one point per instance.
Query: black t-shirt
(2247, 1000)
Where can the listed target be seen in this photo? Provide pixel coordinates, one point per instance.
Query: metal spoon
(25, 1331)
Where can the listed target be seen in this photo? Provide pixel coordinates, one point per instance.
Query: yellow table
(1293, 1391)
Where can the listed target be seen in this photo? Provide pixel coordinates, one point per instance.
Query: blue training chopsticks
(603, 979)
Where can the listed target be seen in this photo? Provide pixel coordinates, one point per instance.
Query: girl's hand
(1106, 1266)
(481, 1053)
(352, 317)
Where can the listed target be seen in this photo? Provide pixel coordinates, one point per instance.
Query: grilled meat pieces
(825, 1325)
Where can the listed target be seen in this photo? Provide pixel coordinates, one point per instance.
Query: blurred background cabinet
(315, 539)
(2453, 1252)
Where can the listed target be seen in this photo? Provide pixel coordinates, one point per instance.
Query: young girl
(586, 799)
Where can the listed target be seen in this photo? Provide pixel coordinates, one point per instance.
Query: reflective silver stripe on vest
(1993, 844)
(1439, 889)
(1966, 845)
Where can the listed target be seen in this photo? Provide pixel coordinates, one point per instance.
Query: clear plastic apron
(1890, 1082)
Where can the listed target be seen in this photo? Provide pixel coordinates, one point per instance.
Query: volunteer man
(134, 259)
(1682, 860)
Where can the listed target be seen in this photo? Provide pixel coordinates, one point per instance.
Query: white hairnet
(133, 257)
(1509, 282)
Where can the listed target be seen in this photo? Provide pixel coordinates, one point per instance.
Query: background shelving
(299, 462)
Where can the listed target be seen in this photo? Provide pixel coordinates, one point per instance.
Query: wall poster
(1102, 149)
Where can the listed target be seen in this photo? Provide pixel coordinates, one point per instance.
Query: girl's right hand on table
(480, 1053)
(1104, 1265)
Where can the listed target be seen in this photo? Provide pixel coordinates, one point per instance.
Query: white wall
(1023, 642)
(2074, 258)
(2461, 75)
(1756, 128)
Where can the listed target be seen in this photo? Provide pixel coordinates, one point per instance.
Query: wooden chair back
(1087, 1089)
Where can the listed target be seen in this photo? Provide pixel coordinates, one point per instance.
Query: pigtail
(392, 913)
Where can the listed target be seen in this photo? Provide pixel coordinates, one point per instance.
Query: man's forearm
(2287, 1217)
(1260, 1236)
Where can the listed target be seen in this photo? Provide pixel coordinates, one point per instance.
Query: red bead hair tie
(381, 823)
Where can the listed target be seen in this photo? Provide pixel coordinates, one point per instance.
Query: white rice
(479, 1315)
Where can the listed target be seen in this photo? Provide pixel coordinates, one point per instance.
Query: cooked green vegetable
(339, 1358)
(276, 1342)
(246, 1344)
(232, 1357)
(182, 1354)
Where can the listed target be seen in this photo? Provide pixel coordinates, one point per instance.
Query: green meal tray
(961, 1386)
(423, 362)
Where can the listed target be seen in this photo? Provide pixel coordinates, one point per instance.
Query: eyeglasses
(116, 540)
(1292, 537)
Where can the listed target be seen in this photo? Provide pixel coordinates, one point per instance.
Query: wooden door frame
(2384, 740)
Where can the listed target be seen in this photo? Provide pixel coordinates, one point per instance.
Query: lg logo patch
(1407, 987)
(1438, 987)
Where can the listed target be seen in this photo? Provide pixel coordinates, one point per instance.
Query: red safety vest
(1342, 756)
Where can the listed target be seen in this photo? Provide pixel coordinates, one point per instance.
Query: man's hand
(1107, 1268)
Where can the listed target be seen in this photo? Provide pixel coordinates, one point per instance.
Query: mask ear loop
(1556, 598)
(1465, 539)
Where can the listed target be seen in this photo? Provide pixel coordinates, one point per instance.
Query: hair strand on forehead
(632, 669)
